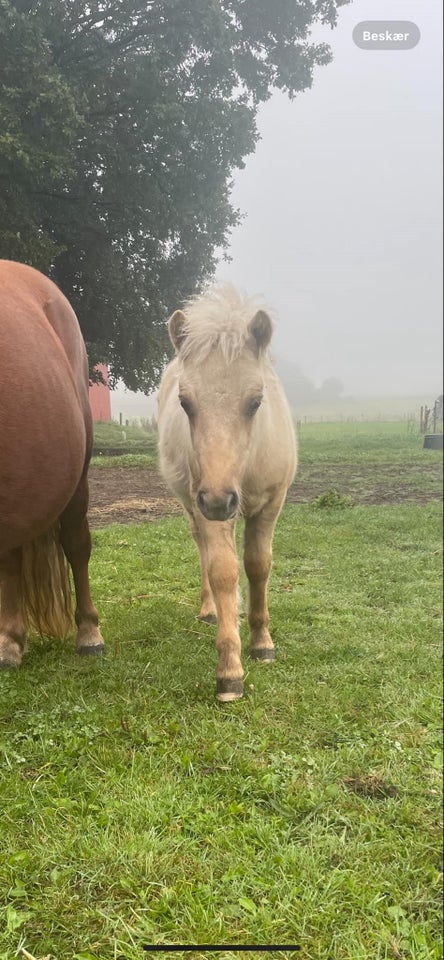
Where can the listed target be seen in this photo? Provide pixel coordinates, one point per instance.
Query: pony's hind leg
(76, 542)
(207, 604)
(257, 560)
(12, 626)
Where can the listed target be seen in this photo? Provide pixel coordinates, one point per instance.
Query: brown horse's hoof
(263, 653)
(89, 641)
(208, 618)
(11, 653)
(91, 650)
(6, 664)
(227, 690)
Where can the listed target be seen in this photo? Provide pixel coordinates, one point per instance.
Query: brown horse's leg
(208, 606)
(223, 574)
(76, 542)
(257, 559)
(12, 627)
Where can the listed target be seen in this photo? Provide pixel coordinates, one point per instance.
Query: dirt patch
(379, 483)
(372, 786)
(128, 495)
(139, 495)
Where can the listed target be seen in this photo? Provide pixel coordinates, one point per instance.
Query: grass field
(135, 809)
(391, 442)
(401, 408)
(117, 440)
(371, 462)
(375, 443)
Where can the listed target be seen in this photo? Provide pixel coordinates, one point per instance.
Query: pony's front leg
(223, 575)
(12, 626)
(257, 560)
(207, 605)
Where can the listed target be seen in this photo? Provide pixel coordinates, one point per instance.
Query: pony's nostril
(232, 501)
(201, 499)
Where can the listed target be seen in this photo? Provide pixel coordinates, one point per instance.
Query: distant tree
(298, 387)
(301, 391)
(331, 389)
(121, 123)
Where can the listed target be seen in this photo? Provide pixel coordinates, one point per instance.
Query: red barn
(100, 396)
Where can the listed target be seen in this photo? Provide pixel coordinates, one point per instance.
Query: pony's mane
(219, 319)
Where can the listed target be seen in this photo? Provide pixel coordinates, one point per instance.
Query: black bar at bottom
(214, 947)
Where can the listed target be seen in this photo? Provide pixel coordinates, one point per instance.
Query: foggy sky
(342, 205)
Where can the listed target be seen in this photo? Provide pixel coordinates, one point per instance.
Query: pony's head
(222, 345)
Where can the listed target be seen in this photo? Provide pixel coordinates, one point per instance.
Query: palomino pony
(227, 449)
(45, 447)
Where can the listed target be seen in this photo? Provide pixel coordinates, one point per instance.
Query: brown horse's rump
(45, 446)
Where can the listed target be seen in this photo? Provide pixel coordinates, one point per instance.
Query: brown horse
(45, 448)
(227, 449)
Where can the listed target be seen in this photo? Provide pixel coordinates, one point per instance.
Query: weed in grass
(332, 500)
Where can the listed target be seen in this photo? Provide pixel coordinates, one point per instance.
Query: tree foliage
(121, 123)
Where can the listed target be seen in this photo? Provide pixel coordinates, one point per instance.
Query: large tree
(121, 123)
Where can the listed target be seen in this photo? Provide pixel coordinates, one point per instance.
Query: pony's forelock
(219, 319)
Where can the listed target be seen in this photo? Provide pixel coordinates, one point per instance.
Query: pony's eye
(186, 405)
(253, 405)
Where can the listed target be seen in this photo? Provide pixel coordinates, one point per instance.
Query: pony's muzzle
(214, 506)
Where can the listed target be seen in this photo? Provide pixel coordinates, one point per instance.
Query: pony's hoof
(227, 690)
(208, 618)
(263, 653)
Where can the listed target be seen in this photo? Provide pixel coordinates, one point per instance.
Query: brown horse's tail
(46, 590)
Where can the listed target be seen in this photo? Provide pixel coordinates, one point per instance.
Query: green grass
(319, 443)
(136, 809)
(112, 437)
(110, 433)
(146, 460)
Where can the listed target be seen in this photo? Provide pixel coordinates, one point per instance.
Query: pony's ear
(261, 329)
(176, 329)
